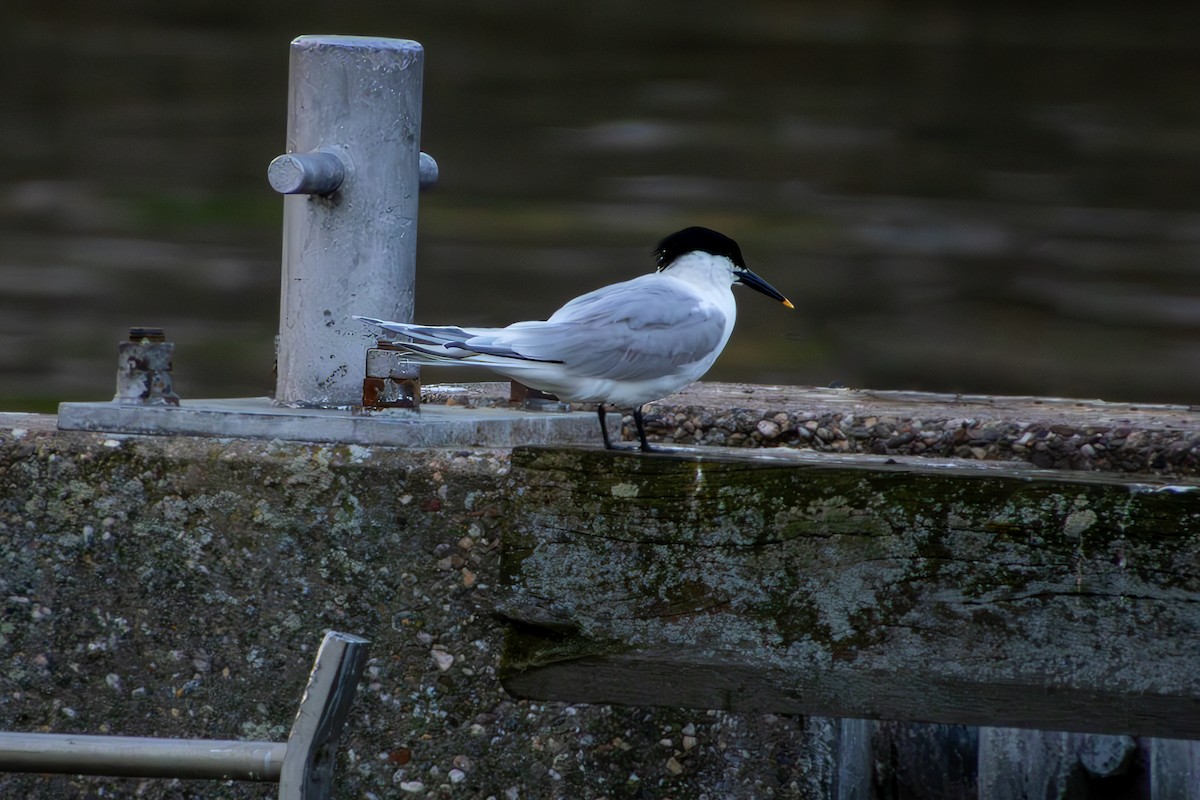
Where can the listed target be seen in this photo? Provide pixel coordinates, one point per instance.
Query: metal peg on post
(350, 176)
(320, 172)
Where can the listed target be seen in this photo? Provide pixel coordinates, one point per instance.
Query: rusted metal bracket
(392, 380)
(144, 369)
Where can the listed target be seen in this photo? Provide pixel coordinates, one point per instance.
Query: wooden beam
(963, 592)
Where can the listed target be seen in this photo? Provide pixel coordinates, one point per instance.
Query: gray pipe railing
(141, 757)
(303, 766)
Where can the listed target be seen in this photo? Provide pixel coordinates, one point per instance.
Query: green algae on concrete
(983, 594)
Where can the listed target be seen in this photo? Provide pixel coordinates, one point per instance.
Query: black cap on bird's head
(705, 240)
(690, 240)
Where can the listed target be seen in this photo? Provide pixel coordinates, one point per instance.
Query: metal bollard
(350, 177)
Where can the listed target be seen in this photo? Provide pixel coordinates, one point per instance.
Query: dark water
(956, 199)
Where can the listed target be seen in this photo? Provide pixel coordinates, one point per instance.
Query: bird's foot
(628, 447)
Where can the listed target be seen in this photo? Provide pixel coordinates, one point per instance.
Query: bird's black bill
(748, 278)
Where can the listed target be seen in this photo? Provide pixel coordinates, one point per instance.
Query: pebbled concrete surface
(178, 586)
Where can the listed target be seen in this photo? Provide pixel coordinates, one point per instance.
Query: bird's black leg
(641, 429)
(604, 428)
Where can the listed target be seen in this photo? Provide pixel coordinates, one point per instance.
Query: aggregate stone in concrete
(178, 586)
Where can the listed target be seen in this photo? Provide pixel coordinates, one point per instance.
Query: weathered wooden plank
(1174, 770)
(852, 781)
(1016, 764)
(957, 592)
(917, 761)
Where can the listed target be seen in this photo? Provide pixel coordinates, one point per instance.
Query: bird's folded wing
(631, 331)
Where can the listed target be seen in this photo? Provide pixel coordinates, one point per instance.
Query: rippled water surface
(972, 201)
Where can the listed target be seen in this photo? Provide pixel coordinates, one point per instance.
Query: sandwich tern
(625, 345)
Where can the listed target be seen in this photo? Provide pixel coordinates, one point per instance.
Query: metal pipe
(322, 172)
(354, 250)
(138, 757)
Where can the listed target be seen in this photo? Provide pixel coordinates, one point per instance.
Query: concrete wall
(179, 586)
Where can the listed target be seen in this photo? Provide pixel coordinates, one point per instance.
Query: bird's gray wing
(630, 331)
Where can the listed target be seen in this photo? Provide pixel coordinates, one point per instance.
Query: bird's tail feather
(437, 354)
(422, 333)
(451, 345)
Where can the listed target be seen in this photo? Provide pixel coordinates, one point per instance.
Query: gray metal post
(349, 246)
